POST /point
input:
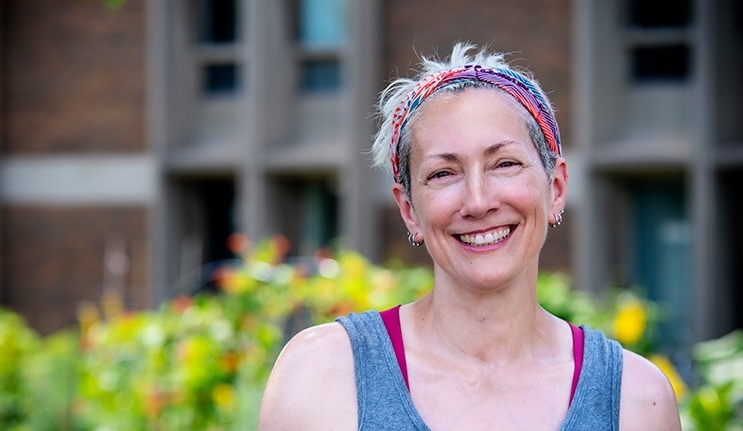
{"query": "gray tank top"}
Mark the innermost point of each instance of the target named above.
(384, 402)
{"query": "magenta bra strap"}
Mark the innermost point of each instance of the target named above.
(577, 357)
(391, 319)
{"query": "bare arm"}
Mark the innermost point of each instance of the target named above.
(648, 401)
(312, 385)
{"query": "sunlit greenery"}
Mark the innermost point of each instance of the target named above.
(199, 362)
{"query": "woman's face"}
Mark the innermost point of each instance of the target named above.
(480, 197)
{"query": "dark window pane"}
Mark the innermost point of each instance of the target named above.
(220, 79)
(661, 63)
(320, 75)
(659, 13)
(219, 21)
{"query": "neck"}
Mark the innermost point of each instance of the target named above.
(497, 326)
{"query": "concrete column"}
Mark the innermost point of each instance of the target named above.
(156, 29)
(707, 283)
(361, 59)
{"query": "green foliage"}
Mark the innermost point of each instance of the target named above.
(201, 362)
(717, 404)
(17, 342)
(196, 363)
(180, 367)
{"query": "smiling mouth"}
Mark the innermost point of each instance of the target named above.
(488, 238)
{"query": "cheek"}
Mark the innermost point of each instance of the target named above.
(435, 207)
(525, 195)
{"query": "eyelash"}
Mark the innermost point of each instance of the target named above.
(502, 164)
(439, 174)
(507, 164)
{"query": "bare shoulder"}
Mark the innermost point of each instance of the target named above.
(647, 401)
(312, 384)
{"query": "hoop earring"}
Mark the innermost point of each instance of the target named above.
(412, 241)
(558, 219)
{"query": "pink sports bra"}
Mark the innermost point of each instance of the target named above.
(391, 319)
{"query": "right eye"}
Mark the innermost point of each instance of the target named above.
(439, 174)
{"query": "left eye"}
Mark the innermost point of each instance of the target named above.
(507, 164)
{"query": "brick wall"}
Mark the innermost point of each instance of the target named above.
(73, 84)
(73, 76)
(53, 258)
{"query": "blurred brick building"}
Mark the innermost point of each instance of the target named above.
(134, 140)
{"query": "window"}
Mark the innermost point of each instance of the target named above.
(220, 79)
(659, 46)
(217, 37)
(660, 62)
(662, 252)
(659, 13)
(319, 215)
(321, 22)
(657, 56)
(306, 210)
(320, 75)
(218, 23)
(320, 33)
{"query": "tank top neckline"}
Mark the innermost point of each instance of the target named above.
(391, 320)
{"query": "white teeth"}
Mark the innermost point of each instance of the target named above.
(488, 238)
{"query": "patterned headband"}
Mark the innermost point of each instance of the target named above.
(511, 82)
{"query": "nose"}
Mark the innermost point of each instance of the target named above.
(477, 198)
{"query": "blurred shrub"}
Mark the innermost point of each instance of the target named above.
(17, 342)
(200, 362)
(718, 403)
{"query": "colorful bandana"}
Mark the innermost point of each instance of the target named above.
(511, 82)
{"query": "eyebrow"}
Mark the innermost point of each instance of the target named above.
(489, 151)
(492, 149)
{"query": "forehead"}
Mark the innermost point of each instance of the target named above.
(469, 114)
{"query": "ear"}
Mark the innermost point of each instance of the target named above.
(407, 212)
(559, 186)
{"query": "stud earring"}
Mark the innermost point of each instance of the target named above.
(412, 241)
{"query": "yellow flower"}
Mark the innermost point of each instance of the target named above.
(353, 265)
(665, 365)
(112, 304)
(88, 316)
(630, 321)
(223, 396)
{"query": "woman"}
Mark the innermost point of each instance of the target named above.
(475, 153)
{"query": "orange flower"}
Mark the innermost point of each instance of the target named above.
(230, 362)
(181, 303)
(239, 243)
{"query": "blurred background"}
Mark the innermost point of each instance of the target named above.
(137, 135)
